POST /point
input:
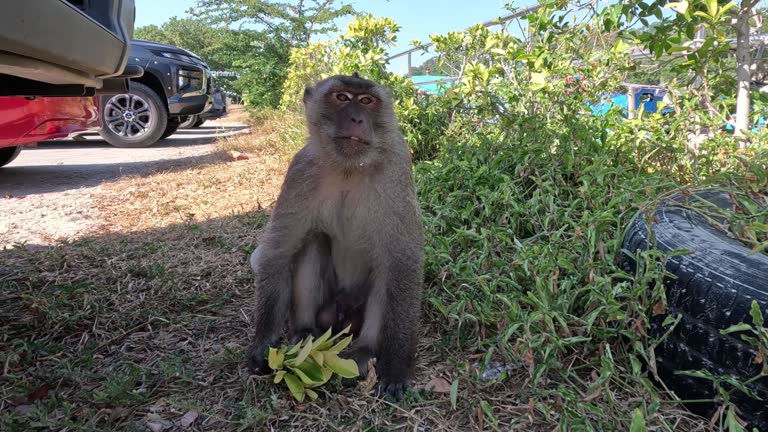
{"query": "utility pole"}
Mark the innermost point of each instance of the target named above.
(743, 67)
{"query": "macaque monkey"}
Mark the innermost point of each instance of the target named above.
(345, 241)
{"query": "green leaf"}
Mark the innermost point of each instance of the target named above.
(712, 7)
(279, 376)
(757, 314)
(293, 349)
(638, 421)
(454, 393)
(736, 328)
(303, 377)
(488, 409)
(339, 347)
(275, 359)
(733, 424)
(311, 393)
(317, 356)
(704, 15)
(322, 338)
(303, 354)
(295, 386)
(725, 8)
(313, 371)
(344, 367)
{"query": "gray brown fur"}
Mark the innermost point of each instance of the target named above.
(346, 226)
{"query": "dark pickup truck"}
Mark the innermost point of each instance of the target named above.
(176, 84)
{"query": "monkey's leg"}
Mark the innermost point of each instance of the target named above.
(311, 287)
(283, 238)
(390, 328)
(271, 262)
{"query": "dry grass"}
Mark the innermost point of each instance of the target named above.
(133, 327)
(146, 320)
(212, 187)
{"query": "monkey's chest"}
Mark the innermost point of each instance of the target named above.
(345, 218)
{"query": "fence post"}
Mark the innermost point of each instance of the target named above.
(409, 65)
(630, 102)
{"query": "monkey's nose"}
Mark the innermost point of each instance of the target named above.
(357, 121)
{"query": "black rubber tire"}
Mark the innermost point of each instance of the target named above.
(713, 290)
(156, 127)
(198, 123)
(173, 125)
(188, 122)
(8, 154)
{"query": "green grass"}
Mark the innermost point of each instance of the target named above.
(149, 322)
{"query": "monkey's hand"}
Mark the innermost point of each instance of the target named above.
(360, 354)
(256, 358)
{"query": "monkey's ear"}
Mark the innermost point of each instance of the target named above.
(307, 93)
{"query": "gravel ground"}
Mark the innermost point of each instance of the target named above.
(49, 192)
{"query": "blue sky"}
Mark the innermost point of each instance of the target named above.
(417, 18)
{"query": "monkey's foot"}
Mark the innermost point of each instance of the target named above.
(392, 390)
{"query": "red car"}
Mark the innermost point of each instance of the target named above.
(29, 120)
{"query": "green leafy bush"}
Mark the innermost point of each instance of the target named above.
(362, 49)
(526, 193)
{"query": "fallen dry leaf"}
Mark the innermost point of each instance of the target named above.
(759, 357)
(188, 418)
(659, 308)
(38, 393)
(438, 385)
(370, 380)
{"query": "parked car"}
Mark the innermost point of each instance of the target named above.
(65, 47)
(28, 120)
(56, 58)
(176, 83)
(218, 110)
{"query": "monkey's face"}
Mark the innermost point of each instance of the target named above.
(351, 118)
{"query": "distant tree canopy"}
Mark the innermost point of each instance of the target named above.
(294, 21)
(258, 57)
(250, 38)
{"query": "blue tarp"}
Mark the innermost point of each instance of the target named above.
(432, 87)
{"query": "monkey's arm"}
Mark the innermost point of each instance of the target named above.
(271, 261)
(396, 354)
(396, 300)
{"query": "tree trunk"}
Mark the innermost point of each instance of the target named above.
(743, 67)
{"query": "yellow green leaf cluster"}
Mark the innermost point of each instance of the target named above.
(311, 363)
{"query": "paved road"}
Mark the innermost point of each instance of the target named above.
(48, 191)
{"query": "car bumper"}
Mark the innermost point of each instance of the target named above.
(24, 121)
(189, 105)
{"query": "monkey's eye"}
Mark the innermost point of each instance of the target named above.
(343, 97)
(366, 100)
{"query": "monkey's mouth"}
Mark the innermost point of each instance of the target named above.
(353, 138)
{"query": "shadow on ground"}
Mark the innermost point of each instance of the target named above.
(131, 331)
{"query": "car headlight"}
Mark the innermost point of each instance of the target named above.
(190, 80)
